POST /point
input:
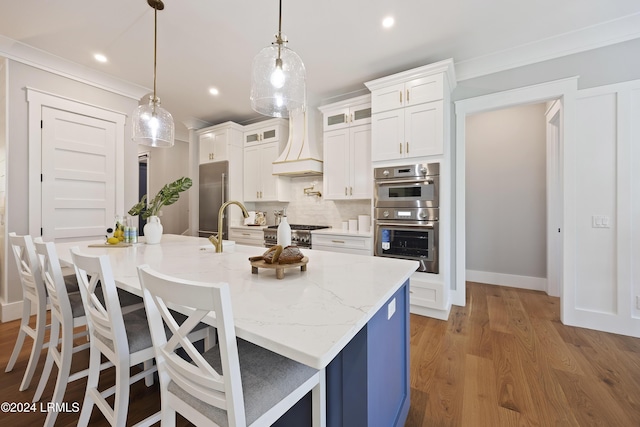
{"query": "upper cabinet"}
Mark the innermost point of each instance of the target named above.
(216, 142)
(263, 143)
(410, 112)
(340, 117)
(413, 92)
(269, 131)
(347, 150)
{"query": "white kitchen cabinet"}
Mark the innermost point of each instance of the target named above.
(347, 115)
(273, 130)
(245, 235)
(411, 112)
(347, 150)
(216, 142)
(349, 243)
(347, 164)
(405, 94)
(415, 131)
(260, 185)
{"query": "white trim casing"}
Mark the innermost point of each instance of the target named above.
(36, 100)
(511, 280)
(564, 89)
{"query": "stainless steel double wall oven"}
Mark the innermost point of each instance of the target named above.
(406, 202)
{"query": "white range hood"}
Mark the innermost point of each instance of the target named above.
(300, 156)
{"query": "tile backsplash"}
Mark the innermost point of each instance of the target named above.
(313, 210)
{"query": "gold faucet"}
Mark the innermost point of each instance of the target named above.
(217, 240)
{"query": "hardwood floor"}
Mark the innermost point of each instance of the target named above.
(502, 360)
(506, 360)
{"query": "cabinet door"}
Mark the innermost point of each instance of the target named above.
(252, 177)
(387, 98)
(361, 172)
(360, 114)
(387, 135)
(424, 130)
(336, 164)
(262, 135)
(425, 89)
(268, 181)
(336, 119)
(213, 147)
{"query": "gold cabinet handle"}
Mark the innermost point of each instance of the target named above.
(407, 147)
(345, 191)
(337, 241)
(401, 148)
(261, 194)
(346, 118)
(407, 95)
(351, 191)
(246, 234)
(400, 97)
(351, 120)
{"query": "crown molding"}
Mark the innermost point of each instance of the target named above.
(20, 52)
(593, 37)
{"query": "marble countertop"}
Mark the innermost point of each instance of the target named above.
(307, 316)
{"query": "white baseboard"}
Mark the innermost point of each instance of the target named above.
(430, 312)
(12, 311)
(512, 280)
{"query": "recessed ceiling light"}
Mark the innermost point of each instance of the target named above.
(214, 91)
(388, 22)
(100, 57)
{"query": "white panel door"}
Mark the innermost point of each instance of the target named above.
(361, 170)
(336, 164)
(78, 175)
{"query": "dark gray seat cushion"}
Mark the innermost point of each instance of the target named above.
(267, 378)
(126, 299)
(136, 326)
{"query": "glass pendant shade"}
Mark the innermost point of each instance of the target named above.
(153, 125)
(277, 81)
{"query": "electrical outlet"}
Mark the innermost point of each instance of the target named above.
(391, 308)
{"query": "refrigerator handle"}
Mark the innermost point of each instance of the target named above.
(223, 183)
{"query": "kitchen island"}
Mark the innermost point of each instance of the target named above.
(347, 314)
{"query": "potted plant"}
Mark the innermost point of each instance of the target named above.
(168, 195)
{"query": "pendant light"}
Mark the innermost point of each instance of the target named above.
(277, 78)
(152, 124)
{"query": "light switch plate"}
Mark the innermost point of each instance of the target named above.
(600, 221)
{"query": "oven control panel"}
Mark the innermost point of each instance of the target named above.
(407, 214)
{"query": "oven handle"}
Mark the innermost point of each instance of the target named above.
(404, 181)
(429, 225)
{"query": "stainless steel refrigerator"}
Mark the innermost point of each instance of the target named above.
(214, 187)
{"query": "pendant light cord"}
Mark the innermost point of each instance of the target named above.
(155, 51)
(279, 37)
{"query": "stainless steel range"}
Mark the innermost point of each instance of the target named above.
(300, 235)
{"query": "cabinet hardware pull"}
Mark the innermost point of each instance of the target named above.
(351, 120)
(257, 194)
(351, 191)
(407, 95)
(345, 191)
(407, 147)
(400, 97)
(346, 118)
(337, 241)
(246, 234)
(261, 194)
(401, 148)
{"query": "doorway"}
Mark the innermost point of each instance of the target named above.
(563, 90)
(506, 203)
(143, 186)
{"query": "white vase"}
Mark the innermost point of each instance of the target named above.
(153, 230)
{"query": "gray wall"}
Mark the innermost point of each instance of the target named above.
(21, 76)
(506, 191)
(166, 165)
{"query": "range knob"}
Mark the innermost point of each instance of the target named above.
(385, 214)
(385, 172)
(423, 215)
(423, 170)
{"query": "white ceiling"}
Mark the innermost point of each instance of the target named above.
(205, 43)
